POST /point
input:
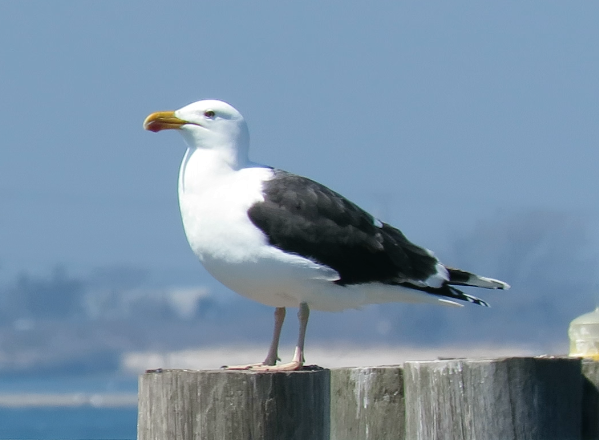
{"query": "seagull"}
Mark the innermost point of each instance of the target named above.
(287, 241)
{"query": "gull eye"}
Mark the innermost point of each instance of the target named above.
(210, 114)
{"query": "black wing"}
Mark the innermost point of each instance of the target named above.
(303, 217)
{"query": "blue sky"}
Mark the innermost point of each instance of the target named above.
(436, 116)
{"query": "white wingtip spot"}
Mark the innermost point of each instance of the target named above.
(494, 284)
(438, 278)
(447, 302)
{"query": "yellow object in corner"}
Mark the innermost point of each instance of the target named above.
(584, 336)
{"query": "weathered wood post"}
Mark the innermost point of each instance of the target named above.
(233, 405)
(590, 400)
(500, 399)
(367, 403)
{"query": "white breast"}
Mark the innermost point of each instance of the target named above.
(214, 201)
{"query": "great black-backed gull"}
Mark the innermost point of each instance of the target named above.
(287, 241)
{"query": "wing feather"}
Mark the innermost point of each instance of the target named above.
(306, 218)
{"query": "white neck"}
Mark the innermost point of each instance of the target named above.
(231, 151)
(199, 167)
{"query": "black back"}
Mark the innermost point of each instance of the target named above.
(303, 217)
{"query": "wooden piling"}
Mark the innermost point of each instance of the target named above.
(367, 403)
(233, 405)
(590, 400)
(503, 399)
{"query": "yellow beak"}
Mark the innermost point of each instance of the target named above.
(163, 121)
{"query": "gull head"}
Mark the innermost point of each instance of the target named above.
(208, 124)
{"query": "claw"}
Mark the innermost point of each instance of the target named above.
(291, 366)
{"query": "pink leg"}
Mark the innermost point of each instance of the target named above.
(303, 314)
(272, 357)
(298, 358)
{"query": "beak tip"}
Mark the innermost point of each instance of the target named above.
(151, 127)
(162, 121)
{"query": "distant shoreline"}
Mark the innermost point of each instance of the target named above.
(333, 356)
(74, 400)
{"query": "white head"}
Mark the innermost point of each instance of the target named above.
(210, 124)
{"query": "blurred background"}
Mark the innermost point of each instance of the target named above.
(470, 126)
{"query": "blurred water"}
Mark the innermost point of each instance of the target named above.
(82, 423)
(68, 423)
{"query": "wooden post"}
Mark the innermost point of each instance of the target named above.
(590, 400)
(367, 403)
(507, 399)
(233, 405)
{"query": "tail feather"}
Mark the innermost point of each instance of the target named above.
(459, 277)
(452, 292)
